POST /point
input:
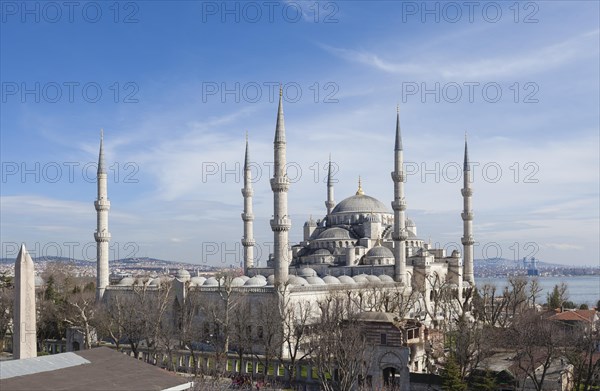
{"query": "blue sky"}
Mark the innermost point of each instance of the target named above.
(175, 86)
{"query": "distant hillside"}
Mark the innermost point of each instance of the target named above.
(126, 262)
(509, 263)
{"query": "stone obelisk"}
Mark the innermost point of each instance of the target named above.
(24, 336)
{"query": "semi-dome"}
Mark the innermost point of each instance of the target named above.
(360, 204)
(380, 252)
(271, 280)
(346, 280)
(322, 251)
(335, 233)
(410, 223)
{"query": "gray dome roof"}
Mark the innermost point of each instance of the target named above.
(183, 274)
(211, 281)
(127, 281)
(360, 278)
(360, 203)
(315, 281)
(238, 281)
(256, 281)
(39, 281)
(410, 223)
(295, 280)
(307, 272)
(195, 281)
(335, 233)
(346, 280)
(380, 252)
(386, 278)
(322, 251)
(271, 280)
(372, 278)
(331, 280)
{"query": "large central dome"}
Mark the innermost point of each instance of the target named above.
(360, 203)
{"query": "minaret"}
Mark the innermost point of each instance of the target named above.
(467, 217)
(330, 203)
(399, 206)
(280, 224)
(24, 326)
(102, 235)
(248, 216)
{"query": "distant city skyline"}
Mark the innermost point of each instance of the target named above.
(176, 88)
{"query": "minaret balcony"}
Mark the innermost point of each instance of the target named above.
(329, 204)
(466, 192)
(102, 204)
(398, 176)
(468, 240)
(247, 192)
(399, 205)
(402, 235)
(102, 236)
(466, 216)
(247, 216)
(280, 184)
(283, 224)
(248, 242)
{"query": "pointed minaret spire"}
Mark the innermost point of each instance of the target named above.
(24, 312)
(280, 127)
(281, 223)
(466, 164)
(102, 236)
(398, 146)
(248, 217)
(399, 235)
(101, 168)
(467, 217)
(330, 203)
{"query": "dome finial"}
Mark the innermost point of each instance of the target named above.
(360, 189)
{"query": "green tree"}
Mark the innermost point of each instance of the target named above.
(558, 296)
(451, 376)
(584, 307)
(485, 382)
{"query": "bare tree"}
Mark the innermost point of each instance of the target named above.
(538, 342)
(339, 348)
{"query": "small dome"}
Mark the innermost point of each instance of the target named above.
(386, 278)
(256, 281)
(245, 278)
(38, 281)
(127, 281)
(183, 274)
(346, 280)
(271, 280)
(335, 233)
(322, 251)
(211, 281)
(331, 280)
(361, 278)
(315, 281)
(237, 282)
(455, 254)
(372, 278)
(380, 252)
(197, 281)
(307, 272)
(295, 280)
